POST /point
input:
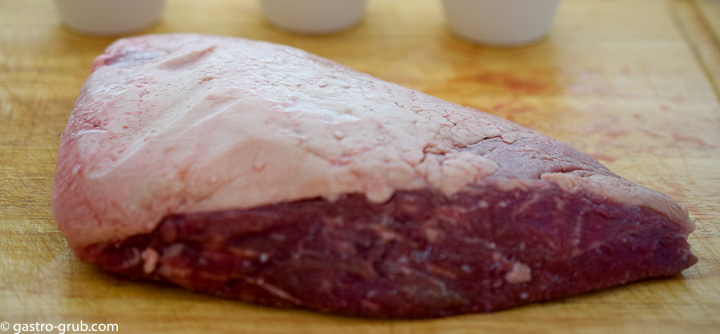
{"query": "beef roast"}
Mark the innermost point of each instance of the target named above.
(258, 171)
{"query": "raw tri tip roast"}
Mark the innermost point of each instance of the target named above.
(258, 171)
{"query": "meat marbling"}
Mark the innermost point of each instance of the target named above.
(261, 172)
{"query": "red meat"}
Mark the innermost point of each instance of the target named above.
(260, 172)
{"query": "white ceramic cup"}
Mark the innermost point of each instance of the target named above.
(109, 17)
(501, 22)
(313, 16)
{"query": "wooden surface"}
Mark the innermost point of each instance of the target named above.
(709, 11)
(700, 20)
(621, 80)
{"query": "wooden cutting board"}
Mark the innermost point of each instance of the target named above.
(629, 82)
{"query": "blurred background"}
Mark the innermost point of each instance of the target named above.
(634, 83)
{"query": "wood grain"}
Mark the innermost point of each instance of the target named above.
(700, 21)
(617, 79)
(709, 11)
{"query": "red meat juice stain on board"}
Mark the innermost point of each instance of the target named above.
(511, 109)
(626, 70)
(610, 128)
(509, 82)
(682, 138)
(652, 133)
